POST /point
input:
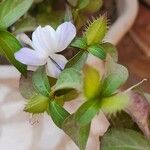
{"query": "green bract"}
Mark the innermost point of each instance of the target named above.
(91, 86)
(96, 31)
(37, 105)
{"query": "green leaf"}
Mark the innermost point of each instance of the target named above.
(9, 45)
(26, 87)
(37, 105)
(97, 51)
(96, 31)
(115, 103)
(116, 76)
(86, 112)
(79, 43)
(79, 134)
(27, 24)
(69, 79)
(58, 113)
(41, 82)
(12, 10)
(110, 49)
(93, 6)
(78, 61)
(82, 3)
(91, 87)
(124, 139)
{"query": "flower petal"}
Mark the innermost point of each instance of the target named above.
(24, 39)
(32, 68)
(45, 39)
(66, 33)
(29, 57)
(60, 60)
(55, 65)
(52, 70)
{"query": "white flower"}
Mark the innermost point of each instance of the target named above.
(46, 42)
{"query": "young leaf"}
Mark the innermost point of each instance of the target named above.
(78, 61)
(26, 87)
(79, 43)
(41, 82)
(79, 134)
(86, 112)
(69, 79)
(91, 83)
(115, 103)
(9, 45)
(82, 3)
(12, 10)
(117, 76)
(37, 105)
(97, 51)
(96, 31)
(93, 6)
(58, 113)
(124, 139)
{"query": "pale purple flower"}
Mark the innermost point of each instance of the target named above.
(46, 42)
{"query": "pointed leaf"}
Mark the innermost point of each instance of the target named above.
(79, 134)
(97, 51)
(86, 112)
(79, 43)
(12, 10)
(9, 45)
(78, 61)
(69, 79)
(41, 82)
(116, 76)
(124, 139)
(58, 113)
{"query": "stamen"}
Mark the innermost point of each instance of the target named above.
(56, 64)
